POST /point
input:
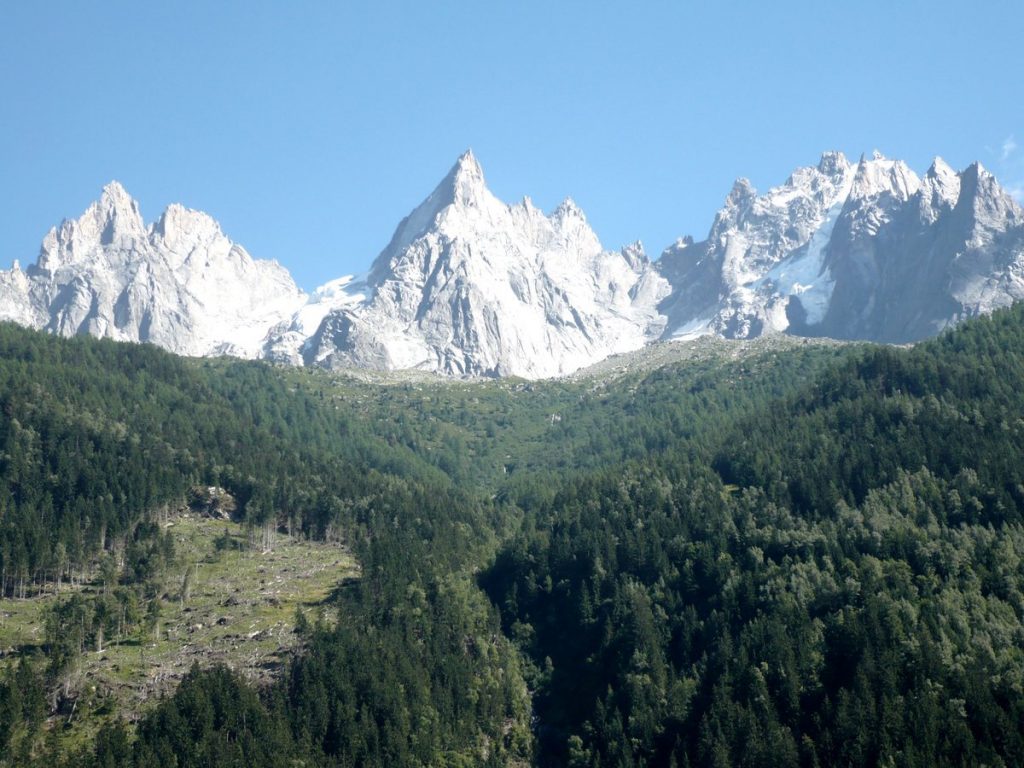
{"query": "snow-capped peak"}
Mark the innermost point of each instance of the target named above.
(185, 236)
(465, 182)
(119, 213)
(471, 286)
(864, 251)
(568, 209)
(179, 283)
(986, 206)
(833, 162)
(879, 176)
(113, 220)
(940, 169)
(179, 227)
(940, 189)
(463, 188)
(114, 194)
(976, 182)
(741, 192)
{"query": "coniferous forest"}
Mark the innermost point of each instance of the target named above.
(784, 553)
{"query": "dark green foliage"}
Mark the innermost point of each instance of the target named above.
(97, 436)
(214, 719)
(801, 557)
(22, 708)
(858, 600)
(950, 404)
(117, 433)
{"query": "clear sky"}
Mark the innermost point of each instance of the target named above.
(310, 129)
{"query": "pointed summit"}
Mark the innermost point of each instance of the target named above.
(990, 205)
(467, 163)
(882, 176)
(742, 191)
(114, 199)
(113, 191)
(971, 176)
(180, 228)
(568, 209)
(939, 190)
(462, 189)
(832, 162)
(117, 214)
(940, 169)
(975, 180)
(464, 183)
(116, 204)
(113, 219)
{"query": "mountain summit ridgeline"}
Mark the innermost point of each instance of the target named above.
(471, 286)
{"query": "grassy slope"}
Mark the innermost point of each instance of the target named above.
(241, 612)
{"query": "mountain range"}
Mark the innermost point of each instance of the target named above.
(471, 286)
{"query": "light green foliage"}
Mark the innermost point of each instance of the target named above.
(241, 613)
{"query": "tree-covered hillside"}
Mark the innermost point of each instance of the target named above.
(800, 554)
(104, 442)
(841, 584)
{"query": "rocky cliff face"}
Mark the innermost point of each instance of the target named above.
(863, 250)
(179, 283)
(470, 286)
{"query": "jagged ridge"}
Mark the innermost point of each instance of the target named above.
(863, 250)
(179, 283)
(470, 286)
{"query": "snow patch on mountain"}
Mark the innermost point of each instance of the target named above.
(763, 252)
(858, 251)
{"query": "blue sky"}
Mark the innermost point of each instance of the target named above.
(310, 129)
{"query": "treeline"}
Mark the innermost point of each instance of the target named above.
(953, 403)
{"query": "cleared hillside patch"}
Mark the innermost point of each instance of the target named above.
(222, 603)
